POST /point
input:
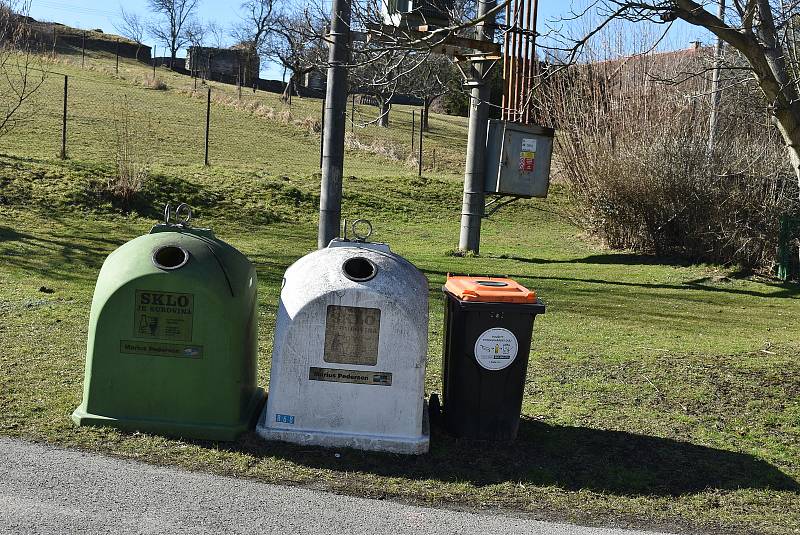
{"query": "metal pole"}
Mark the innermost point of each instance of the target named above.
(353, 114)
(512, 73)
(474, 197)
(413, 129)
(506, 59)
(322, 136)
(330, 205)
(83, 50)
(208, 122)
(421, 120)
(518, 66)
(715, 95)
(64, 121)
(533, 63)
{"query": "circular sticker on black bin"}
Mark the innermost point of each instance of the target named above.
(496, 348)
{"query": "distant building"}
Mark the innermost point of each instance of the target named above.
(230, 65)
(315, 80)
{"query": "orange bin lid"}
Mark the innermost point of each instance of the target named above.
(488, 289)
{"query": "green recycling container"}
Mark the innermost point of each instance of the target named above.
(173, 338)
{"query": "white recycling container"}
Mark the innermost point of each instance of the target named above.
(348, 361)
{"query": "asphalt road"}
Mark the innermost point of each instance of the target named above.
(50, 490)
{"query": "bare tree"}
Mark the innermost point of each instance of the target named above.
(761, 31)
(258, 19)
(22, 70)
(377, 75)
(429, 81)
(195, 34)
(216, 34)
(132, 26)
(170, 29)
(296, 43)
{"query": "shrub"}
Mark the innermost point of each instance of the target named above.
(132, 155)
(155, 83)
(635, 156)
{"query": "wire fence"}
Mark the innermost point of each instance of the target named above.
(76, 116)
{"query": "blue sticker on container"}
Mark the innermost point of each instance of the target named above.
(284, 419)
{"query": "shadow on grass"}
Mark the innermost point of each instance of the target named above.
(784, 290)
(571, 458)
(625, 259)
(59, 256)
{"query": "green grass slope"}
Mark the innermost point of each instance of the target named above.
(657, 393)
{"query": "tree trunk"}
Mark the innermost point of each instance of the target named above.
(768, 64)
(383, 119)
(287, 91)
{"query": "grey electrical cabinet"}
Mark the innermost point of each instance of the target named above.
(518, 159)
(433, 13)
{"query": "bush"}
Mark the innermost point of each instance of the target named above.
(132, 155)
(634, 155)
(155, 83)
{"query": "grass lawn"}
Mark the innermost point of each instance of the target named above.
(658, 393)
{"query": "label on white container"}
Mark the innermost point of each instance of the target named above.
(496, 348)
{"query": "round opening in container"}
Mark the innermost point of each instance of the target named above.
(493, 284)
(359, 269)
(170, 257)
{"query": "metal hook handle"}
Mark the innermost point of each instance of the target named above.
(185, 209)
(354, 229)
(182, 214)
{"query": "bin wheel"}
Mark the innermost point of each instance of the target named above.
(435, 409)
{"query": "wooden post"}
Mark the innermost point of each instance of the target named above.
(83, 50)
(434, 159)
(64, 121)
(208, 122)
(118, 56)
(353, 114)
(421, 112)
(154, 62)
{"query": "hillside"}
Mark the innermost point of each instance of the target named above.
(658, 393)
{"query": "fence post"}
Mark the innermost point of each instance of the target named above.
(353, 114)
(413, 129)
(208, 122)
(434, 159)
(83, 50)
(322, 133)
(63, 154)
(421, 112)
(154, 62)
(117, 56)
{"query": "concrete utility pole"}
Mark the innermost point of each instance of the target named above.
(715, 95)
(472, 208)
(330, 201)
